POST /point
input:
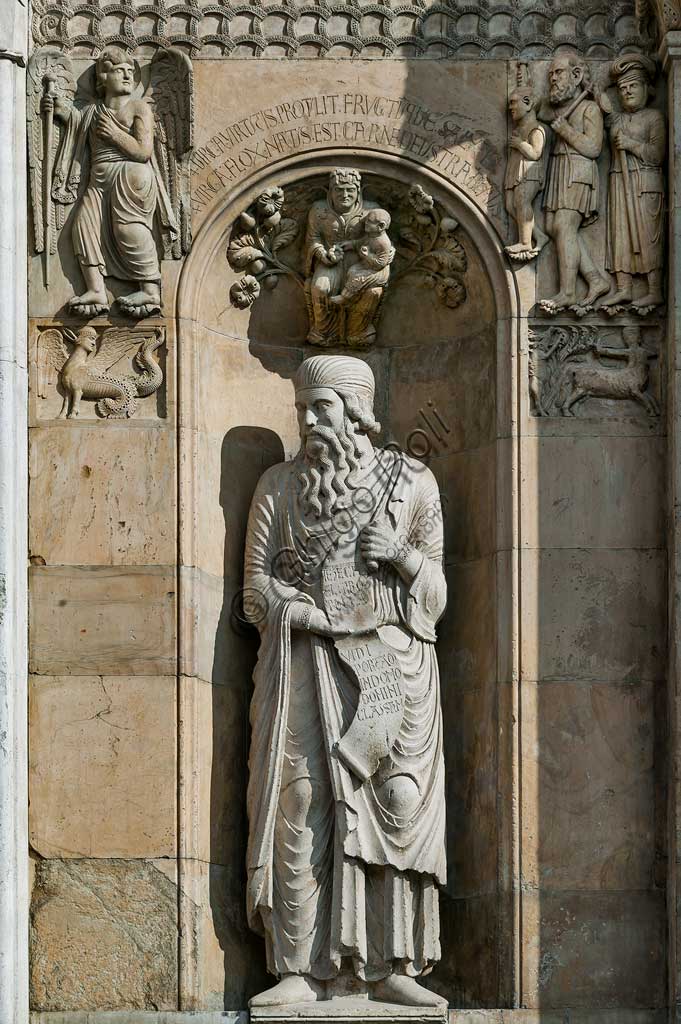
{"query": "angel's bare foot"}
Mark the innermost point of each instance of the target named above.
(92, 297)
(143, 303)
(337, 300)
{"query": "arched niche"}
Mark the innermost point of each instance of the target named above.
(237, 417)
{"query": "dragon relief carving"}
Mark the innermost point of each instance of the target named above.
(85, 371)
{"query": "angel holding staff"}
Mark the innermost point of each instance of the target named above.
(635, 232)
(127, 191)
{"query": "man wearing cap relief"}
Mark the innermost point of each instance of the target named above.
(346, 791)
(635, 236)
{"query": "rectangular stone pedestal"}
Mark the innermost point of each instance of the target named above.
(351, 1009)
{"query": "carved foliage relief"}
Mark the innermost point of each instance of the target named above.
(346, 247)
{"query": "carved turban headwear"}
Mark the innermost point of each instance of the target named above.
(351, 378)
(342, 373)
(633, 66)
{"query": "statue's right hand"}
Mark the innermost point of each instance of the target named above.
(47, 104)
(320, 624)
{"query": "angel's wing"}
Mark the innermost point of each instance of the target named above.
(171, 94)
(115, 343)
(48, 68)
(52, 354)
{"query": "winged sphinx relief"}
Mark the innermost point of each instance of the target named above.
(115, 145)
(82, 363)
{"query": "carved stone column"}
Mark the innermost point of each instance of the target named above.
(671, 56)
(13, 520)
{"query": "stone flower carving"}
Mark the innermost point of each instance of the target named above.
(568, 365)
(85, 372)
(258, 236)
(243, 293)
(136, 141)
(431, 249)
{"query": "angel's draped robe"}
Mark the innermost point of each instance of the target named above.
(331, 872)
(122, 196)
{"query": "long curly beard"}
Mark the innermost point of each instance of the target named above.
(329, 468)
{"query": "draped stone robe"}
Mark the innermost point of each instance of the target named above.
(121, 196)
(332, 872)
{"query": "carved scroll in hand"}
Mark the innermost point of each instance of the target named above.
(352, 253)
(568, 365)
(81, 363)
(380, 707)
(119, 149)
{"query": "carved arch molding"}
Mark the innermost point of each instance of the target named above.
(357, 28)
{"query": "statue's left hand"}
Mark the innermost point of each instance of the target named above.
(379, 542)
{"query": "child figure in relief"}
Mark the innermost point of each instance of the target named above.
(375, 253)
(525, 170)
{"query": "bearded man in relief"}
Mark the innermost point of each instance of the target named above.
(346, 796)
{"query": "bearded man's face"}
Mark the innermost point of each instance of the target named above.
(563, 81)
(328, 451)
(318, 408)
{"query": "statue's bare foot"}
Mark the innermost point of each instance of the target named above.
(650, 300)
(518, 247)
(90, 303)
(521, 253)
(560, 301)
(336, 300)
(617, 298)
(399, 988)
(597, 286)
(540, 239)
(293, 988)
(140, 304)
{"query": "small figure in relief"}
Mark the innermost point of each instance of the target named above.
(525, 169)
(375, 252)
(635, 234)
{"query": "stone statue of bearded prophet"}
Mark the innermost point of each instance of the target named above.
(346, 793)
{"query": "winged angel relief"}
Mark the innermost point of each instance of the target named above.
(85, 372)
(120, 150)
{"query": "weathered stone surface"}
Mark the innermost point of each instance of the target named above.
(102, 620)
(223, 958)
(103, 936)
(102, 494)
(214, 771)
(588, 950)
(593, 614)
(588, 786)
(569, 478)
(102, 766)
